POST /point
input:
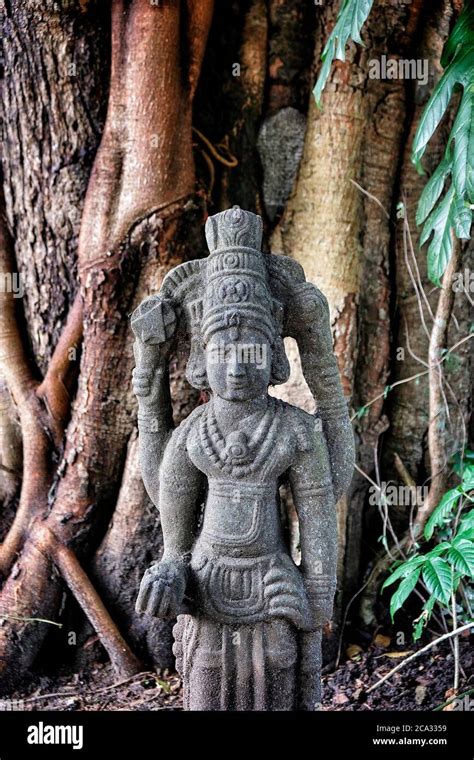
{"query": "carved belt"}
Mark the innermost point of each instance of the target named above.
(236, 590)
(235, 515)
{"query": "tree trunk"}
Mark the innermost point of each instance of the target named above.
(137, 214)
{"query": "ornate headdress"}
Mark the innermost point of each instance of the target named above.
(229, 289)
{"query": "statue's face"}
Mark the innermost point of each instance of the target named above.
(238, 369)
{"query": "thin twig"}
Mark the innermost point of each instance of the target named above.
(456, 643)
(448, 635)
(416, 376)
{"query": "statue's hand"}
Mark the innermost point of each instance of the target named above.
(162, 589)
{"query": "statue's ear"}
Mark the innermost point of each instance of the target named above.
(196, 366)
(280, 364)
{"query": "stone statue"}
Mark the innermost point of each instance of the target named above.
(249, 620)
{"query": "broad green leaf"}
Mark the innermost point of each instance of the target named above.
(466, 527)
(462, 134)
(433, 189)
(440, 249)
(403, 591)
(461, 35)
(438, 578)
(461, 556)
(459, 71)
(350, 20)
(439, 549)
(468, 476)
(461, 218)
(443, 510)
(404, 569)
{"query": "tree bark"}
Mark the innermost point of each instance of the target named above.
(137, 214)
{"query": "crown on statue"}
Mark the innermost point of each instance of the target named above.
(236, 288)
(232, 288)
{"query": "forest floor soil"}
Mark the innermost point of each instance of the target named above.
(424, 684)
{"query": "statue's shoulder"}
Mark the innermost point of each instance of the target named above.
(181, 433)
(302, 426)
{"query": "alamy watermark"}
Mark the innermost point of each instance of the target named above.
(241, 353)
(398, 496)
(463, 281)
(399, 68)
(11, 282)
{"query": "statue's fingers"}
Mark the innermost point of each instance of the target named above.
(143, 595)
(155, 597)
(286, 601)
(276, 588)
(141, 391)
(289, 612)
(140, 372)
(141, 385)
(164, 602)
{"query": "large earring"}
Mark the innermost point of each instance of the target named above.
(280, 364)
(196, 367)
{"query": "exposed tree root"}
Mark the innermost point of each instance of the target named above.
(139, 204)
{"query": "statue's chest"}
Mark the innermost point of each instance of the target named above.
(242, 454)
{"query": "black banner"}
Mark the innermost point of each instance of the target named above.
(133, 734)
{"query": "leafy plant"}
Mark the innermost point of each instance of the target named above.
(453, 213)
(442, 216)
(350, 20)
(451, 561)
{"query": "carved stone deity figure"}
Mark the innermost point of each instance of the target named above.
(249, 619)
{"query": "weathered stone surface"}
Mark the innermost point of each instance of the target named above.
(280, 145)
(248, 635)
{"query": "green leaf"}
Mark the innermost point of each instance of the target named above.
(461, 35)
(453, 214)
(461, 556)
(466, 527)
(463, 156)
(350, 20)
(442, 511)
(403, 591)
(439, 549)
(433, 189)
(438, 578)
(459, 71)
(327, 59)
(404, 569)
(439, 223)
(468, 476)
(461, 218)
(421, 622)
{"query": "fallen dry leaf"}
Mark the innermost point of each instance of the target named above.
(396, 655)
(353, 650)
(382, 641)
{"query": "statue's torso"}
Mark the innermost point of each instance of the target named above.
(240, 563)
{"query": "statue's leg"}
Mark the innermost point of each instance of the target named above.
(205, 661)
(250, 667)
(281, 655)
